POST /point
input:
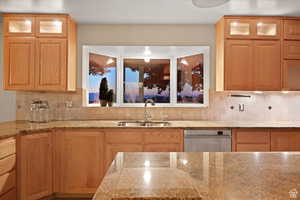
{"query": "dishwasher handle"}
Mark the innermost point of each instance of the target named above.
(199, 133)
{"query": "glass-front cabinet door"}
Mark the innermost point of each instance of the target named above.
(51, 26)
(238, 28)
(291, 75)
(267, 29)
(19, 25)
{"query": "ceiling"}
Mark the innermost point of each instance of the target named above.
(150, 11)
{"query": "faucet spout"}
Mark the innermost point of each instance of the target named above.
(147, 115)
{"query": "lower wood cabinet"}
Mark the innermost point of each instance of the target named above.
(35, 166)
(260, 140)
(285, 140)
(79, 161)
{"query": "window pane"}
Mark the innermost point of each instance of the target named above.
(190, 79)
(102, 79)
(146, 80)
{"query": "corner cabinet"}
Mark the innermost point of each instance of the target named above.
(248, 53)
(39, 52)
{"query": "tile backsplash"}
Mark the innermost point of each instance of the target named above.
(269, 106)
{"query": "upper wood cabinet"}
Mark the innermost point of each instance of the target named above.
(248, 54)
(292, 29)
(267, 65)
(35, 166)
(19, 25)
(51, 26)
(291, 74)
(19, 63)
(45, 61)
(252, 28)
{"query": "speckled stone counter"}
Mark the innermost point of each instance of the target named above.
(193, 176)
(12, 128)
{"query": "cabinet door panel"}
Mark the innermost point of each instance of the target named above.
(291, 74)
(81, 155)
(167, 136)
(239, 65)
(292, 29)
(239, 28)
(285, 140)
(252, 147)
(19, 63)
(19, 25)
(36, 166)
(292, 49)
(267, 66)
(51, 26)
(267, 28)
(51, 64)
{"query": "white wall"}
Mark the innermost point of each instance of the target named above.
(7, 99)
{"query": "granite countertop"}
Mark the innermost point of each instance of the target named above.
(14, 127)
(197, 176)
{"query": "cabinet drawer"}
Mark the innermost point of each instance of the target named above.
(292, 29)
(7, 164)
(169, 136)
(292, 49)
(252, 136)
(11, 195)
(162, 148)
(7, 147)
(252, 147)
(125, 136)
(7, 182)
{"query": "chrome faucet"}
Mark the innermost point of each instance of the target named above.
(147, 115)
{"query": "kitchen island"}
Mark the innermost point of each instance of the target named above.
(193, 176)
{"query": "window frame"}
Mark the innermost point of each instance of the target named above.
(87, 49)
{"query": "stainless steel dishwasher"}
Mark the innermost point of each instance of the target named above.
(207, 140)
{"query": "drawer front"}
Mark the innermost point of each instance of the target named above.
(163, 148)
(11, 195)
(168, 136)
(7, 147)
(252, 147)
(125, 136)
(252, 136)
(7, 164)
(292, 29)
(7, 182)
(292, 49)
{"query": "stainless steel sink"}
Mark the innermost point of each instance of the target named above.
(143, 124)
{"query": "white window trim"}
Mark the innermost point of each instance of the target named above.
(120, 86)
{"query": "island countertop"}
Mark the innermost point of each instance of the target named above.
(196, 176)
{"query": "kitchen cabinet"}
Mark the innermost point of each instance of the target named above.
(250, 140)
(51, 26)
(291, 50)
(51, 70)
(291, 74)
(79, 158)
(285, 140)
(19, 63)
(35, 166)
(248, 54)
(239, 65)
(292, 29)
(7, 169)
(19, 25)
(267, 65)
(45, 61)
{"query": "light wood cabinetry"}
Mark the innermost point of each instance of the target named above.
(35, 166)
(79, 166)
(251, 140)
(285, 140)
(267, 65)
(7, 169)
(292, 29)
(51, 70)
(291, 74)
(248, 54)
(292, 50)
(45, 61)
(19, 63)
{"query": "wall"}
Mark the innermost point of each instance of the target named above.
(7, 99)
(284, 106)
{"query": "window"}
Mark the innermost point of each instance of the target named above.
(128, 75)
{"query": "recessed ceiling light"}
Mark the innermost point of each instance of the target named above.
(209, 3)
